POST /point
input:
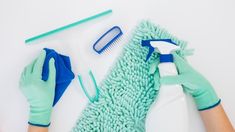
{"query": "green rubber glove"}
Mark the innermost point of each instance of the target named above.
(193, 83)
(39, 93)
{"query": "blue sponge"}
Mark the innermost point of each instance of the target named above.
(64, 74)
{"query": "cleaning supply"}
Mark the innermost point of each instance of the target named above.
(64, 74)
(68, 26)
(193, 83)
(103, 43)
(107, 39)
(171, 97)
(96, 97)
(128, 91)
(39, 93)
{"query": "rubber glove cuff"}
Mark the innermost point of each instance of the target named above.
(39, 117)
(206, 100)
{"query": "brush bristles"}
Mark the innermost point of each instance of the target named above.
(112, 44)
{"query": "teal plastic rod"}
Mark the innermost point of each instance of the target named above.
(67, 26)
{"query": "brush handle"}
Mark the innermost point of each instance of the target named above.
(67, 26)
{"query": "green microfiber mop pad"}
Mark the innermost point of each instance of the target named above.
(129, 89)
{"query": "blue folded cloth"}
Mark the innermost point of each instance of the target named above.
(64, 74)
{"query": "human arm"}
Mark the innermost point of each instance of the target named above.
(206, 99)
(216, 120)
(32, 128)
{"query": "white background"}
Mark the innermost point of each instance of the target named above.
(207, 25)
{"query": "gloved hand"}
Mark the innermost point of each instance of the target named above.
(193, 83)
(39, 93)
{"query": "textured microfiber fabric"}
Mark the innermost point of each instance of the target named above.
(64, 74)
(129, 88)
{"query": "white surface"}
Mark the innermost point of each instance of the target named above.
(208, 26)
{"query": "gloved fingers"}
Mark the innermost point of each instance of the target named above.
(153, 67)
(171, 80)
(52, 71)
(181, 64)
(24, 73)
(156, 81)
(29, 69)
(22, 77)
(37, 70)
